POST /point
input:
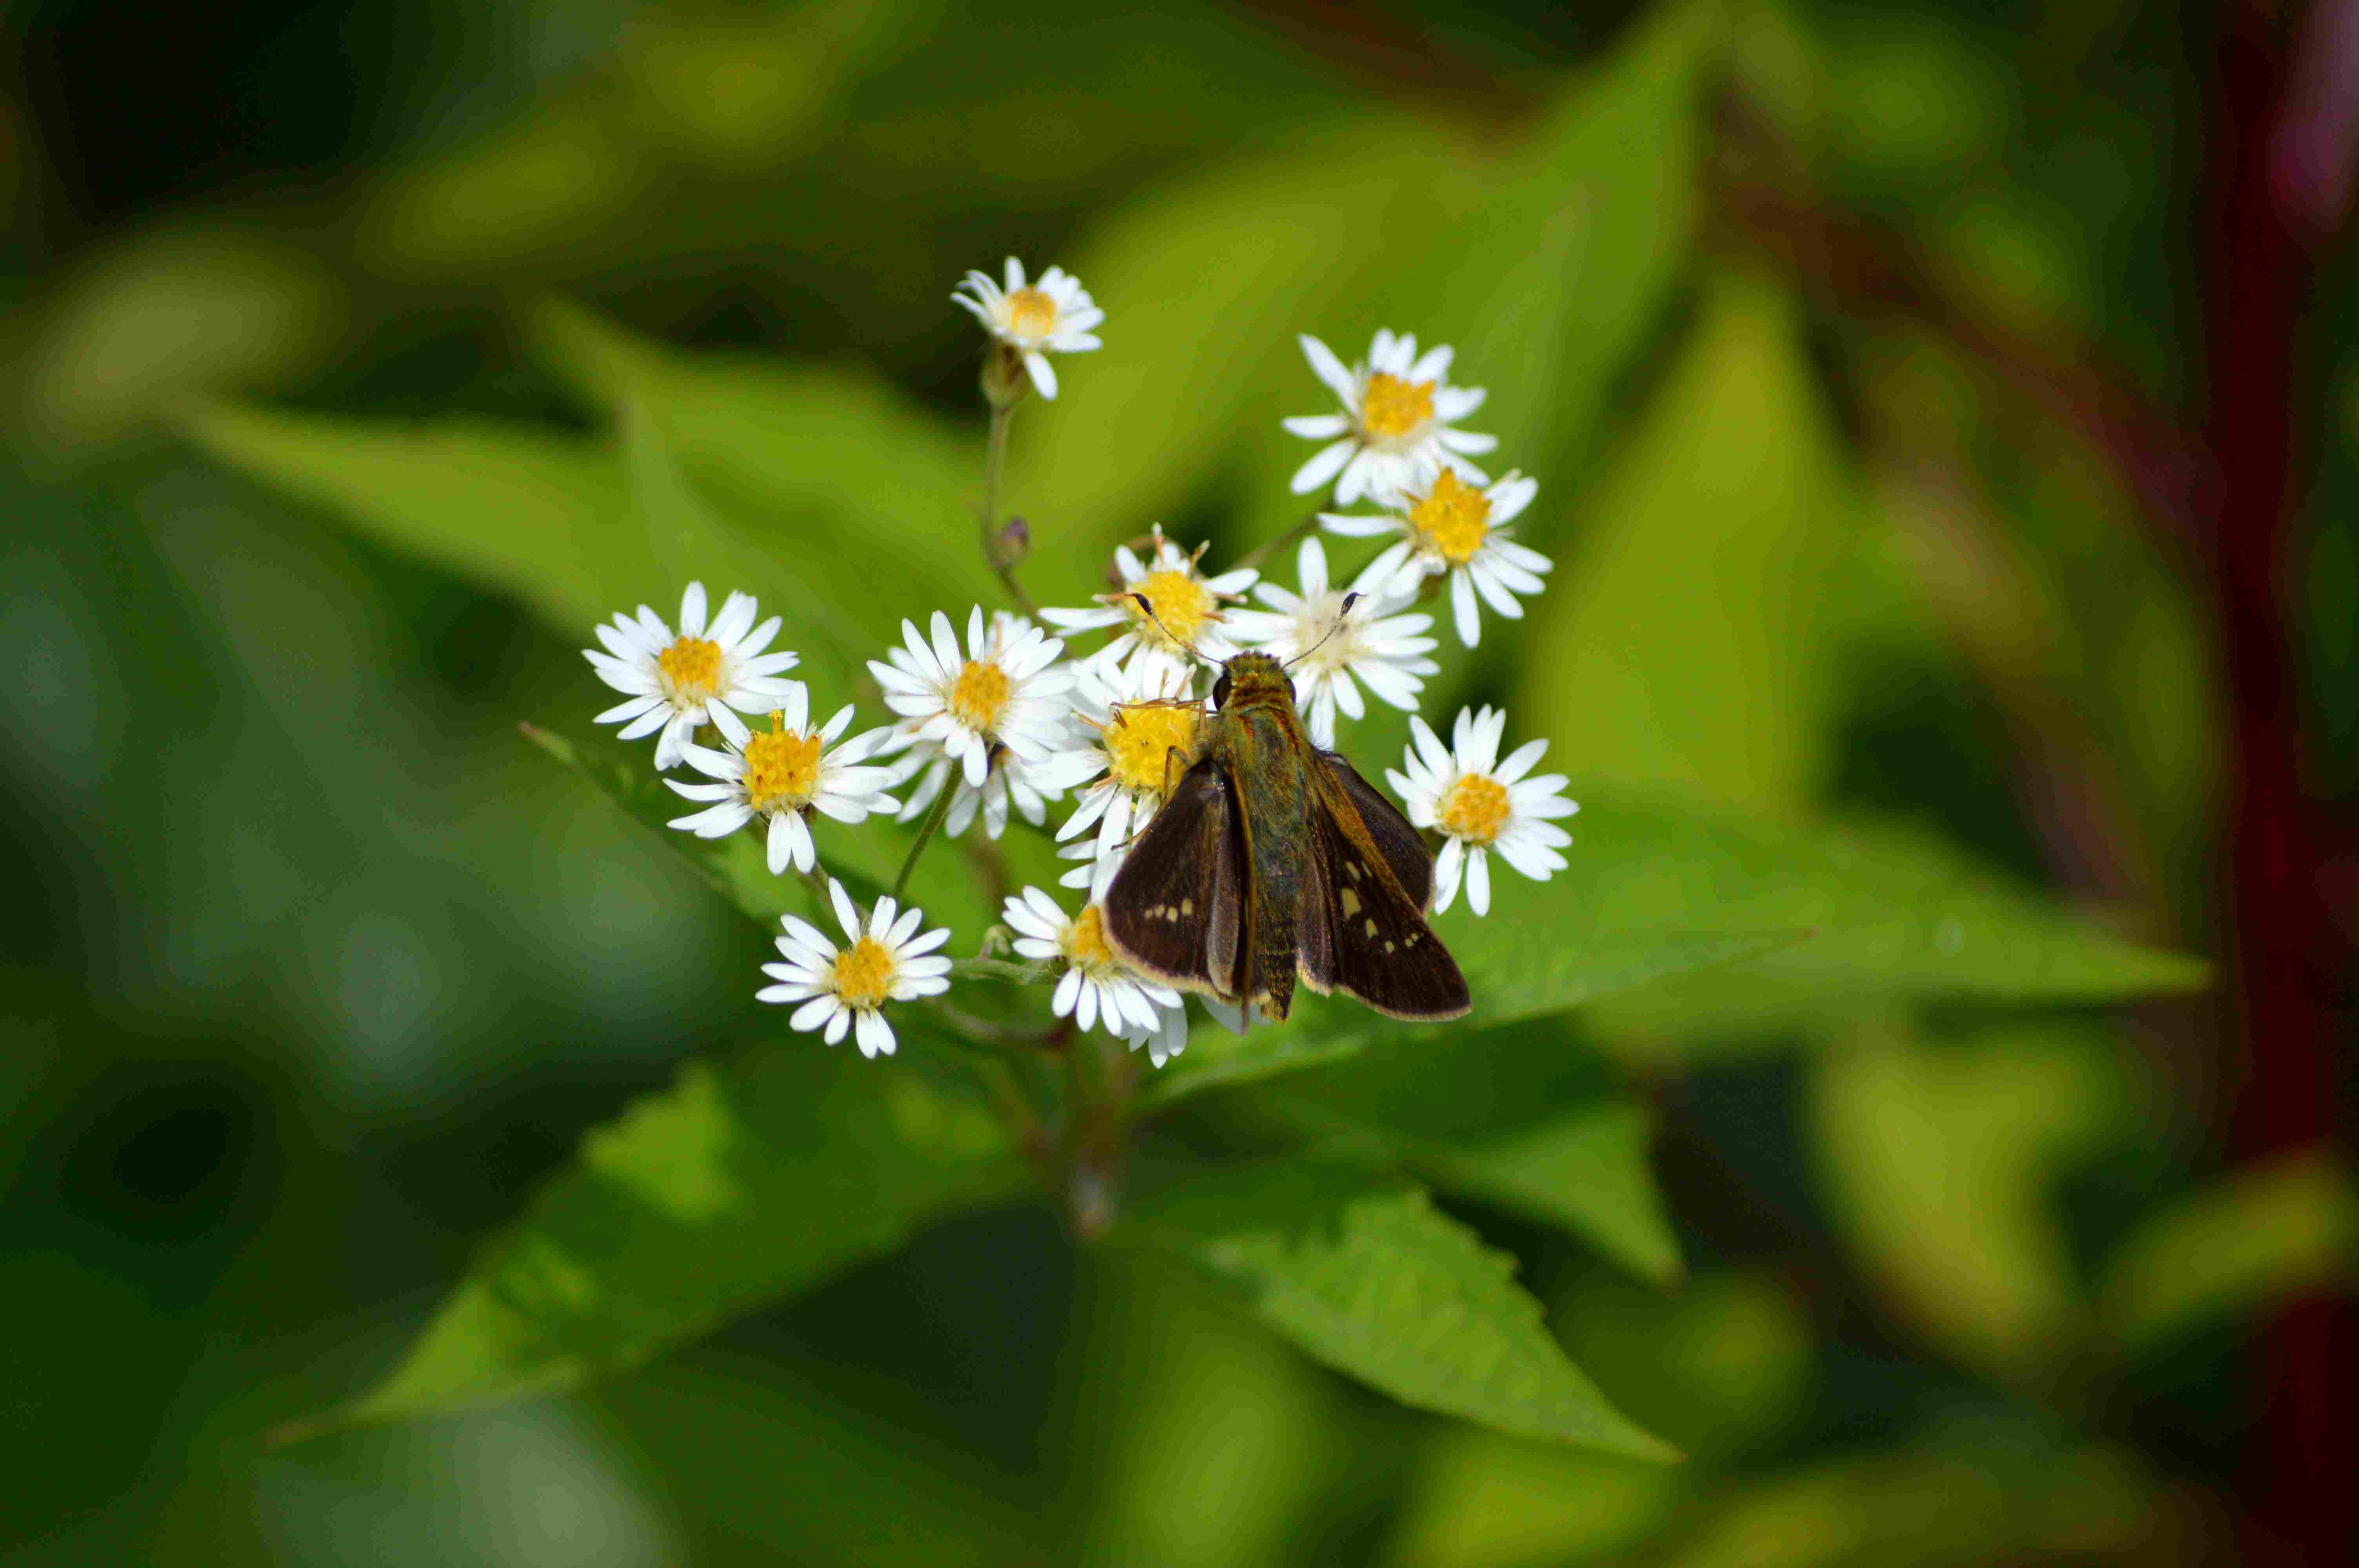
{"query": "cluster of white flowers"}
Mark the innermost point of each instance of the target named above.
(1006, 720)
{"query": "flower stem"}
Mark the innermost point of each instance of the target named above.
(994, 458)
(926, 833)
(1261, 552)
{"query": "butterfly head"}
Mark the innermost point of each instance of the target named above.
(1251, 679)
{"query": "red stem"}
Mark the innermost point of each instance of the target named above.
(2287, 949)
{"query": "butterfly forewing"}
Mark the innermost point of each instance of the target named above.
(1361, 932)
(1176, 908)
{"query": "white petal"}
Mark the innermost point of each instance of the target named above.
(1521, 762)
(1478, 882)
(723, 719)
(1044, 377)
(1316, 426)
(1447, 866)
(691, 611)
(1331, 370)
(1322, 467)
(1467, 618)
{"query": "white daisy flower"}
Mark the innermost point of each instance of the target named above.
(1448, 526)
(847, 988)
(1482, 804)
(1399, 417)
(1116, 760)
(784, 775)
(707, 674)
(1187, 603)
(1033, 320)
(1003, 693)
(1386, 653)
(1096, 985)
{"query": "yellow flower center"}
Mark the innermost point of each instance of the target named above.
(781, 767)
(1085, 942)
(863, 973)
(1142, 735)
(1454, 517)
(1182, 603)
(1390, 406)
(1474, 809)
(1031, 312)
(691, 669)
(978, 694)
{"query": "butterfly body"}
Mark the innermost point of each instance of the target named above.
(1272, 862)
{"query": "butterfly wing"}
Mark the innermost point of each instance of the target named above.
(1360, 932)
(1176, 909)
(1394, 839)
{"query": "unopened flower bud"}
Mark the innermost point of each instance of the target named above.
(1005, 382)
(1015, 541)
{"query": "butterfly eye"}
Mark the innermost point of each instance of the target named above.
(1220, 691)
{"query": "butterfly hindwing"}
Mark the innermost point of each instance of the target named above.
(1175, 910)
(1360, 932)
(1395, 840)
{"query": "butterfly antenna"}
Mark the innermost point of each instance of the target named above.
(1148, 609)
(1341, 612)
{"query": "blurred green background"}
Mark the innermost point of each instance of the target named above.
(1861, 350)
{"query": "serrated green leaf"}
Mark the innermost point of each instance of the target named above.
(745, 1183)
(1361, 1270)
(1526, 1116)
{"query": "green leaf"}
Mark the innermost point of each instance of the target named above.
(1206, 283)
(807, 486)
(1672, 915)
(1936, 1161)
(545, 519)
(1581, 241)
(1525, 1117)
(829, 474)
(1688, 640)
(745, 1183)
(1585, 1169)
(1893, 912)
(1359, 1269)
(719, 1434)
(2262, 1236)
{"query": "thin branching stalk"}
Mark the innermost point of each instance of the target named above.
(1267, 547)
(925, 835)
(994, 458)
